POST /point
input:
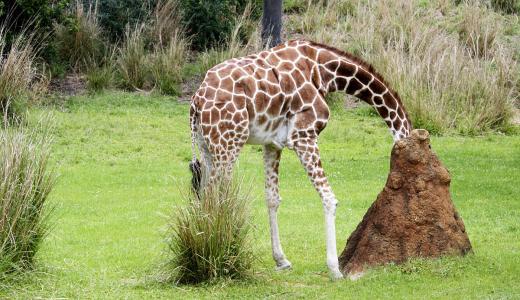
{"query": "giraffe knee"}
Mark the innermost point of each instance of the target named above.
(330, 205)
(274, 202)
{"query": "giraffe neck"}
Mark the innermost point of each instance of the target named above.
(340, 71)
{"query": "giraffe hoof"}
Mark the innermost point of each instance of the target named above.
(284, 265)
(336, 275)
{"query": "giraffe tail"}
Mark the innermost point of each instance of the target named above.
(194, 164)
(196, 175)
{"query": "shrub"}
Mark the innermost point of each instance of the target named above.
(209, 237)
(80, 41)
(116, 15)
(210, 22)
(25, 185)
(19, 76)
(24, 14)
(36, 17)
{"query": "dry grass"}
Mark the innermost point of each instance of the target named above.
(165, 22)
(453, 66)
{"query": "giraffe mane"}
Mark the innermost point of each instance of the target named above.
(359, 61)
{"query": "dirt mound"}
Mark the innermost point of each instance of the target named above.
(412, 217)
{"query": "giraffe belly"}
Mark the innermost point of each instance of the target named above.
(259, 136)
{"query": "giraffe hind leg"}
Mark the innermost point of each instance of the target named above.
(273, 199)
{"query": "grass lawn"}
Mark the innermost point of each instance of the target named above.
(122, 159)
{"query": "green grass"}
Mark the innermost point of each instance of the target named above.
(122, 159)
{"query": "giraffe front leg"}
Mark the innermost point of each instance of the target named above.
(308, 153)
(271, 164)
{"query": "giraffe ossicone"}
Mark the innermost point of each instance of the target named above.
(276, 98)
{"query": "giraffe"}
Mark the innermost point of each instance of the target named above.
(276, 98)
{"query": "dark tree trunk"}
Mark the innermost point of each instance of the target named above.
(272, 23)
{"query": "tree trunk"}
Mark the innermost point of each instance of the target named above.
(272, 23)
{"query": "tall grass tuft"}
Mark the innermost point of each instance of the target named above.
(102, 75)
(167, 64)
(154, 53)
(24, 186)
(210, 236)
(166, 22)
(170, 47)
(132, 64)
(18, 74)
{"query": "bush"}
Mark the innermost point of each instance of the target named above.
(80, 41)
(26, 183)
(116, 15)
(19, 76)
(37, 17)
(294, 6)
(209, 237)
(210, 22)
(24, 14)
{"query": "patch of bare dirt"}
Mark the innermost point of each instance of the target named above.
(190, 86)
(70, 85)
(412, 217)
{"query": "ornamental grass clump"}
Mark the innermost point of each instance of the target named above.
(210, 237)
(18, 74)
(25, 183)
